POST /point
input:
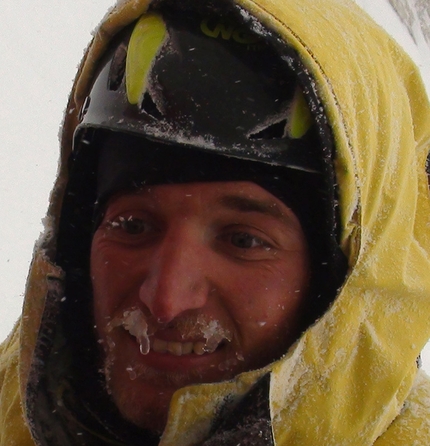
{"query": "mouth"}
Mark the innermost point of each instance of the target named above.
(182, 348)
(200, 334)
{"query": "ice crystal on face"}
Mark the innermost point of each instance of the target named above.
(213, 333)
(142, 328)
(134, 322)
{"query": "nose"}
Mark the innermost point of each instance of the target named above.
(175, 281)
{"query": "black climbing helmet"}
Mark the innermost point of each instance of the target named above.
(204, 82)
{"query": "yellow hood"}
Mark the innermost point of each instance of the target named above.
(346, 381)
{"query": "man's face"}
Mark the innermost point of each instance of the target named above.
(193, 283)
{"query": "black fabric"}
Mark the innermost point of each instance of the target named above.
(128, 162)
(246, 424)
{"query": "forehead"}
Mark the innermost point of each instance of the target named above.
(211, 198)
(219, 191)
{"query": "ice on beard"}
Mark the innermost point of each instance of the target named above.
(134, 322)
(213, 333)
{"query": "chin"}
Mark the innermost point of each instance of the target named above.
(142, 393)
(143, 403)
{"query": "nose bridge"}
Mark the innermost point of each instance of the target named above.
(176, 279)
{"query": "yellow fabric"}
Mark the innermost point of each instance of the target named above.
(412, 426)
(351, 379)
(13, 431)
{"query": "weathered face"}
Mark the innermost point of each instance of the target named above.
(193, 283)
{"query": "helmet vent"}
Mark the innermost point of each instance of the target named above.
(149, 106)
(117, 68)
(273, 131)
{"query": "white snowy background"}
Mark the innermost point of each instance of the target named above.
(41, 44)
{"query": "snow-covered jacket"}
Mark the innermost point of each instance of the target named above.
(352, 377)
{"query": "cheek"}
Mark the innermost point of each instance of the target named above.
(264, 291)
(100, 265)
(267, 304)
(110, 264)
(105, 278)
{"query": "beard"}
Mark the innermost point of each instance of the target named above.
(143, 394)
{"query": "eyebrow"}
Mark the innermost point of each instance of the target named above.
(244, 204)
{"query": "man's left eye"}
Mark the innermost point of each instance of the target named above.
(245, 240)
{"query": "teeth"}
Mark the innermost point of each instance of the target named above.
(199, 348)
(179, 348)
(159, 345)
(175, 348)
(187, 348)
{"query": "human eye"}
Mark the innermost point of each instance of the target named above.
(246, 243)
(245, 240)
(129, 225)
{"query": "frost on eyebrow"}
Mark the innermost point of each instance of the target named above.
(134, 321)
